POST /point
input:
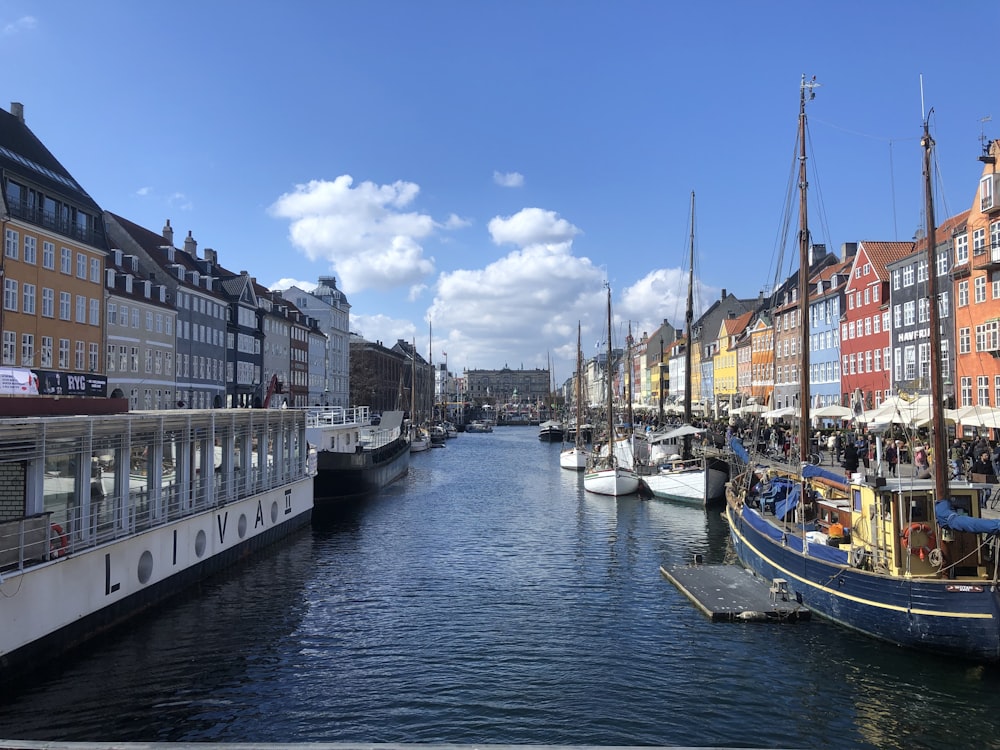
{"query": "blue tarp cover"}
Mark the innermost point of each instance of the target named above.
(949, 518)
(810, 470)
(738, 448)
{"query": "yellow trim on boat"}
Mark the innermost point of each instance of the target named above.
(894, 607)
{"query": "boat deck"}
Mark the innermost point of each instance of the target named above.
(729, 593)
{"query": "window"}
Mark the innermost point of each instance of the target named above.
(945, 360)
(963, 293)
(48, 256)
(79, 354)
(908, 275)
(81, 266)
(943, 310)
(112, 313)
(909, 362)
(135, 317)
(111, 358)
(980, 288)
(9, 348)
(923, 310)
(909, 313)
(93, 357)
(868, 361)
(897, 315)
(983, 390)
(941, 263)
(961, 249)
(48, 303)
(966, 391)
(923, 360)
(896, 280)
(46, 351)
(876, 319)
(921, 271)
(64, 305)
(65, 261)
(995, 240)
(27, 350)
(133, 359)
(28, 299)
(123, 358)
(149, 321)
(868, 326)
(878, 359)
(124, 317)
(10, 294)
(964, 340)
(885, 358)
(95, 270)
(988, 336)
(149, 360)
(81, 313)
(63, 354)
(30, 250)
(979, 241)
(95, 312)
(10, 240)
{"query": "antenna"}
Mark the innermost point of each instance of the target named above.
(810, 86)
(922, 117)
(982, 133)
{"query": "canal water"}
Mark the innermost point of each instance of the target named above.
(487, 598)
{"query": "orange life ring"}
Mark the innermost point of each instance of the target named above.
(60, 550)
(926, 548)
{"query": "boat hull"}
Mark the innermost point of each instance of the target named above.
(574, 459)
(62, 603)
(614, 482)
(932, 614)
(342, 476)
(703, 485)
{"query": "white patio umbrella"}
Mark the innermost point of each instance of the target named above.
(785, 411)
(979, 416)
(833, 411)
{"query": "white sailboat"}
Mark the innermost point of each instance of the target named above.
(575, 458)
(606, 472)
(419, 439)
(681, 475)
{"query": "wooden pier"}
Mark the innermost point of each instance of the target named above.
(729, 593)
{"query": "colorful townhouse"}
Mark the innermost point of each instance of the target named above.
(865, 353)
(976, 277)
(825, 305)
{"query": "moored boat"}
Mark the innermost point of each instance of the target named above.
(355, 458)
(575, 458)
(606, 472)
(107, 515)
(910, 561)
(550, 431)
(684, 476)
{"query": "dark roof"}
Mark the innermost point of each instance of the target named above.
(24, 155)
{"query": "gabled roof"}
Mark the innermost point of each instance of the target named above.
(880, 254)
(22, 153)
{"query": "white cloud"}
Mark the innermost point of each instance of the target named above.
(383, 328)
(180, 202)
(508, 179)
(662, 295)
(24, 23)
(144, 191)
(531, 226)
(287, 283)
(524, 307)
(361, 231)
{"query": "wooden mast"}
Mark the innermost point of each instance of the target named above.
(804, 276)
(610, 393)
(579, 388)
(688, 323)
(938, 438)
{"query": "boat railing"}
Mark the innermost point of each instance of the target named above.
(338, 416)
(33, 540)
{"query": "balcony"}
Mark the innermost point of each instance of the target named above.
(989, 193)
(93, 236)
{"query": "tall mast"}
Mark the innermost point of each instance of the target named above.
(804, 275)
(579, 387)
(627, 374)
(688, 323)
(610, 393)
(937, 386)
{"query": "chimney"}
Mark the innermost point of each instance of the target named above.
(17, 109)
(724, 295)
(211, 256)
(190, 245)
(168, 233)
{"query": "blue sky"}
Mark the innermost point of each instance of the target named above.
(486, 166)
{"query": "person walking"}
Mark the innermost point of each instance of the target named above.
(892, 458)
(850, 462)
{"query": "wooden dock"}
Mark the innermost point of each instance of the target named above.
(729, 593)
